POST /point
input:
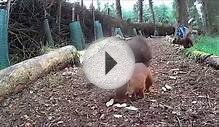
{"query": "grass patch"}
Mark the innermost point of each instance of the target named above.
(206, 44)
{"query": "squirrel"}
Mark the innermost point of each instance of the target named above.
(141, 50)
(140, 81)
(143, 55)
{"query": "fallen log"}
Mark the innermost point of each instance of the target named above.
(199, 56)
(14, 77)
(213, 61)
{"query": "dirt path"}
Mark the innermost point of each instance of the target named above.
(66, 99)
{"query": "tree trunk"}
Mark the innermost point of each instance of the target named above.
(93, 16)
(8, 9)
(213, 16)
(118, 9)
(24, 73)
(108, 11)
(140, 10)
(82, 3)
(182, 13)
(59, 14)
(153, 16)
(205, 15)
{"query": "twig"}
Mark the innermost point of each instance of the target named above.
(179, 123)
(8, 8)
(208, 100)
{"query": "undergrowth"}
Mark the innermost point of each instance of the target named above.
(206, 44)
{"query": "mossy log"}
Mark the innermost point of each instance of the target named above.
(205, 57)
(23, 73)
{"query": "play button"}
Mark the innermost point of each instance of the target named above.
(108, 63)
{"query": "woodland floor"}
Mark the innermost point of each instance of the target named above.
(64, 98)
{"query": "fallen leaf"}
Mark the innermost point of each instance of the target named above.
(120, 105)
(153, 100)
(164, 89)
(28, 125)
(132, 108)
(102, 116)
(117, 116)
(60, 122)
(110, 103)
(176, 112)
(64, 73)
(194, 102)
(26, 116)
(168, 87)
(173, 77)
(176, 69)
(182, 72)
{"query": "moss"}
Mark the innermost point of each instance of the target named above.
(206, 44)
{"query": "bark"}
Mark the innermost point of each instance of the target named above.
(182, 13)
(118, 9)
(213, 16)
(93, 16)
(213, 61)
(24, 73)
(8, 9)
(140, 10)
(153, 16)
(205, 15)
(59, 14)
(108, 11)
(82, 3)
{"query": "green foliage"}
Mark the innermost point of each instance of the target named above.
(98, 5)
(163, 14)
(111, 7)
(173, 12)
(193, 13)
(131, 14)
(207, 44)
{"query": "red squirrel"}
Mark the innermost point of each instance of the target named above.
(141, 50)
(140, 81)
(143, 54)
